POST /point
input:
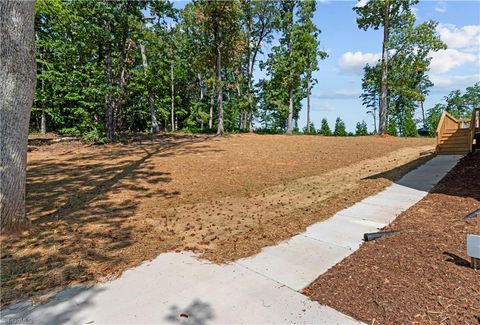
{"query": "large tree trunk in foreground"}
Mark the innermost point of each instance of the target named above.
(384, 91)
(17, 88)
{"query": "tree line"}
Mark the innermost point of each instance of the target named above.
(107, 67)
(110, 67)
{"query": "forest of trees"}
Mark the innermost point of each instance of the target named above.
(106, 68)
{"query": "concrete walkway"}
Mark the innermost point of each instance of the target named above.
(179, 288)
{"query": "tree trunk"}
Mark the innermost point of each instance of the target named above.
(43, 117)
(290, 111)
(151, 100)
(109, 120)
(308, 104)
(17, 88)
(210, 116)
(384, 91)
(423, 115)
(43, 123)
(290, 55)
(172, 109)
(200, 84)
(220, 130)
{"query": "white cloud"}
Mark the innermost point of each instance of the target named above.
(446, 60)
(463, 48)
(361, 3)
(353, 62)
(454, 37)
(343, 93)
(441, 7)
(453, 82)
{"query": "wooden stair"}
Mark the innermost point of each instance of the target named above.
(455, 141)
(455, 137)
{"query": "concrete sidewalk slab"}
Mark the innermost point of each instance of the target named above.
(343, 230)
(297, 261)
(372, 212)
(177, 285)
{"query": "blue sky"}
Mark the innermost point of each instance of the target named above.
(339, 78)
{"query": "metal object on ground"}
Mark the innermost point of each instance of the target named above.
(472, 214)
(374, 235)
(473, 250)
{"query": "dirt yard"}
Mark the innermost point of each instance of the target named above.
(99, 210)
(422, 275)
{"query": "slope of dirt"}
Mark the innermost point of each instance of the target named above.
(99, 210)
(421, 275)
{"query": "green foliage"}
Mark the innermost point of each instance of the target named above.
(325, 128)
(90, 66)
(313, 131)
(400, 80)
(340, 130)
(408, 82)
(433, 118)
(361, 128)
(409, 127)
(392, 127)
(458, 104)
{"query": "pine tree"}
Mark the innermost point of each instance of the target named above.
(409, 127)
(340, 130)
(391, 127)
(325, 128)
(361, 128)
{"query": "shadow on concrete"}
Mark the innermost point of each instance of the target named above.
(196, 313)
(56, 310)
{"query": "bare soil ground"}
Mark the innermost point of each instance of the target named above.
(421, 275)
(99, 210)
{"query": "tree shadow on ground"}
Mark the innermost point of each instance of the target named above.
(83, 210)
(58, 310)
(418, 182)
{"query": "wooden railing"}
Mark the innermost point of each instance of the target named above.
(447, 122)
(475, 126)
(450, 123)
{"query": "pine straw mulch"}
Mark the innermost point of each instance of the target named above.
(97, 211)
(421, 275)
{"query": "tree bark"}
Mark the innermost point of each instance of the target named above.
(384, 91)
(109, 120)
(290, 111)
(308, 103)
(220, 130)
(212, 103)
(218, 70)
(151, 100)
(172, 86)
(290, 63)
(43, 123)
(17, 88)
